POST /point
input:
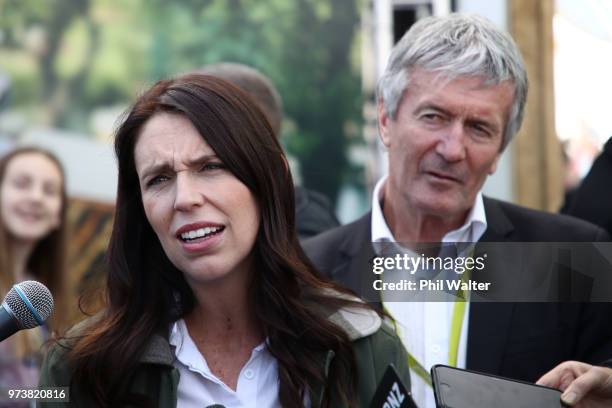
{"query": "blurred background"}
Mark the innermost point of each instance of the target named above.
(69, 68)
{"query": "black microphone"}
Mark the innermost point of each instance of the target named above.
(391, 392)
(27, 305)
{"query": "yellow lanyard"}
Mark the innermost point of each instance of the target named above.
(455, 333)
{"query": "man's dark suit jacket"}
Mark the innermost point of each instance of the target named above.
(517, 340)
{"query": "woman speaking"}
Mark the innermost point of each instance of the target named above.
(210, 299)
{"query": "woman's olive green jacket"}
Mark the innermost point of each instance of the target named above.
(374, 341)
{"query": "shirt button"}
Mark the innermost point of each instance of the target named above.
(435, 348)
(249, 374)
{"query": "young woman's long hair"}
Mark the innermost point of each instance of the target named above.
(47, 262)
(146, 293)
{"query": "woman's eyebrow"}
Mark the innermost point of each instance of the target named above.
(161, 167)
(155, 168)
(201, 159)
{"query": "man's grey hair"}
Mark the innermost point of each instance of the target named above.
(456, 45)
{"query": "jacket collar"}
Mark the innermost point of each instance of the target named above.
(158, 351)
(499, 227)
(355, 235)
(356, 322)
(607, 149)
(489, 323)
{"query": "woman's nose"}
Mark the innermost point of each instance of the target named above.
(188, 195)
(36, 193)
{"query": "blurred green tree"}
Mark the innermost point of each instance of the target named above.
(68, 58)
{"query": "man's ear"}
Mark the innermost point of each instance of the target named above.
(493, 166)
(384, 121)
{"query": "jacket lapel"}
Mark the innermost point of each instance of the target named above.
(357, 324)
(158, 351)
(489, 322)
(487, 333)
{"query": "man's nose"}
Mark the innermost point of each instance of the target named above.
(451, 145)
(188, 195)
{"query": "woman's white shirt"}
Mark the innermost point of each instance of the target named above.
(199, 387)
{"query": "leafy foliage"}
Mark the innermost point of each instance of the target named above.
(68, 58)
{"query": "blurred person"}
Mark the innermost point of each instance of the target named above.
(32, 247)
(583, 385)
(593, 199)
(449, 102)
(314, 212)
(210, 299)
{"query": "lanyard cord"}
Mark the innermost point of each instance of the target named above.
(455, 330)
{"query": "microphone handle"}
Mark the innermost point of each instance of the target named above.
(8, 324)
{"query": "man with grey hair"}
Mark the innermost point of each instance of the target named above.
(451, 99)
(313, 211)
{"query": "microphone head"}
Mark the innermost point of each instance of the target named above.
(30, 302)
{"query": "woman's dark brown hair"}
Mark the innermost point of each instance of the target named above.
(146, 293)
(47, 261)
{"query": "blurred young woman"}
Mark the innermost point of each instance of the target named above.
(32, 247)
(210, 297)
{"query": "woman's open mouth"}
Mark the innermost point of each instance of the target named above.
(200, 234)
